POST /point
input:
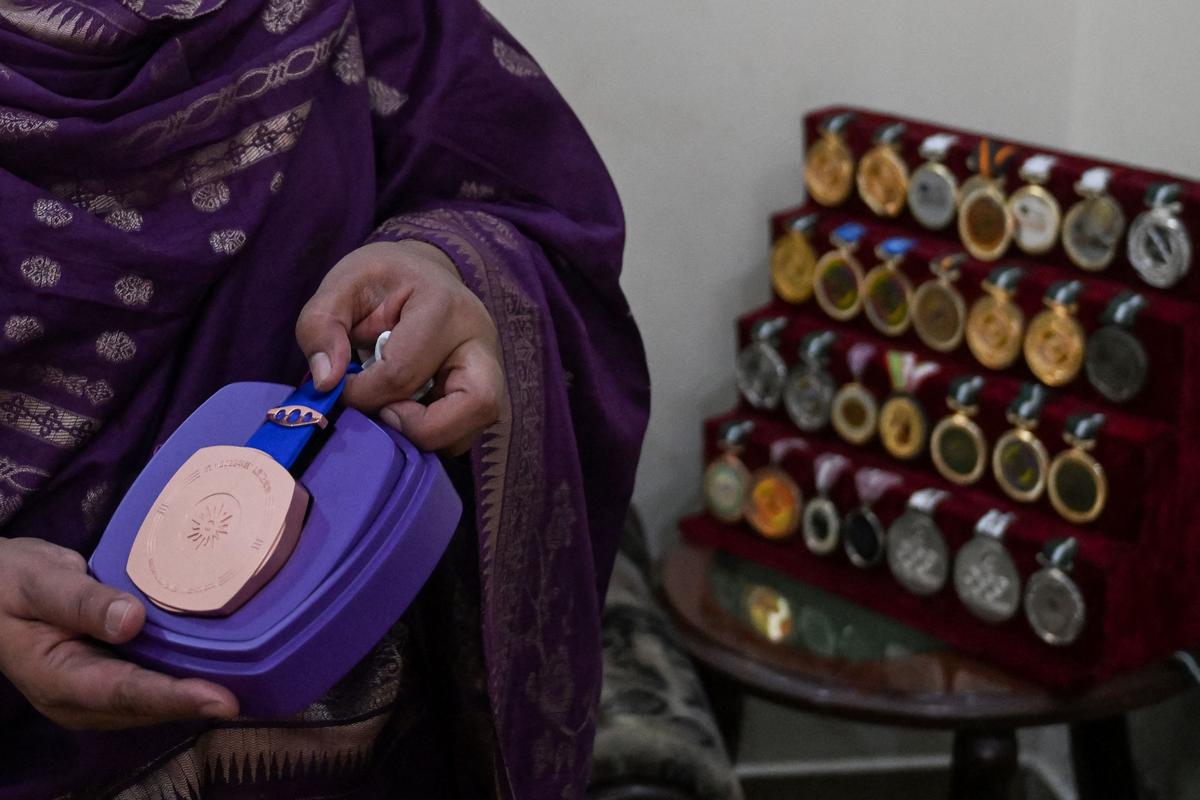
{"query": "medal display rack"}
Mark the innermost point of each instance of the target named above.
(1097, 526)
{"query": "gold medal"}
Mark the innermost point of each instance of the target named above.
(933, 188)
(829, 165)
(984, 222)
(996, 325)
(1055, 341)
(855, 412)
(822, 523)
(903, 426)
(726, 480)
(886, 291)
(1034, 210)
(958, 445)
(882, 173)
(1078, 487)
(793, 261)
(939, 312)
(1020, 460)
(838, 279)
(1093, 227)
(774, 503)
(770, 613)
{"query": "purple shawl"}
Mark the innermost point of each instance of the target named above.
(175, 178)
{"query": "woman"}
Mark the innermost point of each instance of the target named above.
(187, 183)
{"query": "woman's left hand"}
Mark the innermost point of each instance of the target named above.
(440, 330)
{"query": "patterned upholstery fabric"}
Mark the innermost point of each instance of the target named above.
(655, 727)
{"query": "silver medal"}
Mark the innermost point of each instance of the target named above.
(1054, 605)
(916, 550)
(1159, 246)
(1116, 362)
(985, 577)
(761, 370)
(808, 393)
(932, 188)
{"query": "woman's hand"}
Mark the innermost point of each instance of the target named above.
(440, 330)
(50, 611)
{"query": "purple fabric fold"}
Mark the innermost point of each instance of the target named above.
(176, 178)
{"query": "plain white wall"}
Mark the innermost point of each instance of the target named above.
(696, 107)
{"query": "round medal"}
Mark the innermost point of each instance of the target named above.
(957, 444)
(821, 526)
(836, 285)
(725, 483)
(1054, 605)
(855, 413)
(1116, 364)
(1019, 463)
(933, 195)
(770, 613)
(986, 580)
(886, 291)
(1091, 231)
(829, 166)
(882, 173)
(808, 397)
(862, 536)
(817, 632)
(939, 311)
(1078, 486)
(793, 262)
(916, 553)
(773, 504)
(1037, 217)
(902, 427)
(984, 223)
(1055, 341)
(761, 371)
(1159, 246)
(995, 325)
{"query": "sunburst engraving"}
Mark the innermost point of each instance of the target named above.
(210, 522)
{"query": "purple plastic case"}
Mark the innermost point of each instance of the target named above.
(381, 516)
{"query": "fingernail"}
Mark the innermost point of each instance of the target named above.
(320, 367)
(216, 709)
(117, 611)
(391, 419)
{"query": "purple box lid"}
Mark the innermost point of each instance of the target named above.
(381, 516)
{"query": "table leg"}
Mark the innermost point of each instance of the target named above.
(728, 703)
(1102, 759)
(984, 765)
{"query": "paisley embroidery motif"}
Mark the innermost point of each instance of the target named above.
(115, 346)
(22, 329)
(97, 392)
(133, 290)
(211, 196)
(280, 16)
(227, 242)
(53, 425)
(52, 213)
(42, 271)
(125, 219)
(16, 125)
(348, 66)
(514, 61)
(385, 100)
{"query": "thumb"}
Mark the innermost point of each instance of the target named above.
(322, 331)
(79, 603)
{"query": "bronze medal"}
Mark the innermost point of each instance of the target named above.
(774, 502)
(985, 224)
(939, 312)
(1055, 341)
(829, 165)
(996, 325)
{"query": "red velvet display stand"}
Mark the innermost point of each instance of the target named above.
(1137, 563)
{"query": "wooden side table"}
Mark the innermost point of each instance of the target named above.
(813, 651)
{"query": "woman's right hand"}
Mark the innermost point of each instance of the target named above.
(51, 610)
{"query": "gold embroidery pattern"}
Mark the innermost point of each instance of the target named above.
(280, 16)
(348, 65)
(298, 64)
(69, 24)
(211, 196)
(94, 504)
(133, 290)
(385, 100)
(22, 329)
(180, 9)
(97, 392)
(21, 477)
(52, 213)
(253, 144)
(470, 190)
(42, 271)
(276, 182)
(514, 61)
(125, 219)
(115, 346)
(52, 424)
(227, 242)
(10, 504)
(16, 125)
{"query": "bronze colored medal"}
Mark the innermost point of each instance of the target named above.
(1159, 246)
(838, 278)
(726, 480)
(808, 393)
(916, 550)
(1078, 487)
(1055, 341)
(219, 530)
(939, 312)
(829, 165)
(886, 291)
(985, 577)
(996, 326)
(1054, 605)
(793, 261)
(882, 173)
(1093, 226)
(1035, 211)
(774, 503)
(863, 534)
(761, 370)
(821, 522)
(933, 189)
(1116, 362)
(903, 426)
(1020, 461)
(985, 224)
(855, 412)
(958, 445)
(770, 613)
